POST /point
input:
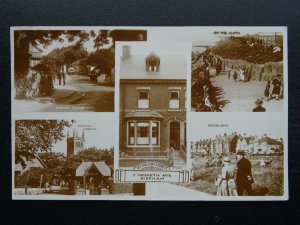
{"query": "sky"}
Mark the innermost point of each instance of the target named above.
(197, 35)
(96, 133)
(254, 125)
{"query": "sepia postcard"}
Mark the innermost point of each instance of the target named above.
(149, 113)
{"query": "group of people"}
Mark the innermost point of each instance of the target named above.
(272, 90)
(238, 74)
(275, 89)
(203, 94)
(230, 185)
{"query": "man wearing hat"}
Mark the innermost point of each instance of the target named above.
(259, 107)
(244, 177)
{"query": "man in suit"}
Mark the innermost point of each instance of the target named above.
(244, 178)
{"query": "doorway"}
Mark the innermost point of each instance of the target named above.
(175, 135)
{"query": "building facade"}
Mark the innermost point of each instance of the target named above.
(224, 144)
(152, 103)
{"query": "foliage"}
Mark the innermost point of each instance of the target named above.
(89, 154)
(31, 178)
(102, 59)
(269, 177)
(34, 136)
(240, 48)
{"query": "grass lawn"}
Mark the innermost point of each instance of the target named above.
(270, 177)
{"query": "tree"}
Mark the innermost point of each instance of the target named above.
(102, 59)
(89, 154)
(34, 136)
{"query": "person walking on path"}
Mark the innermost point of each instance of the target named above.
(235, 75)
(244, 179)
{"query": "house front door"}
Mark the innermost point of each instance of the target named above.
(175, 135)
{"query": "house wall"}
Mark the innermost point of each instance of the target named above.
(158, 101)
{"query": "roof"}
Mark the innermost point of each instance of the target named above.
(248, 139)
(172, 67)
(230, 137)
(80, 61)
(143, 114)
(152, 55)
(269, 141)
(101, 166)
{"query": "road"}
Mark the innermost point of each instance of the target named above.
(78, 95)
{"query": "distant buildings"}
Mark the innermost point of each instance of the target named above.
(269, 38)
(35, 55)
(229, 144)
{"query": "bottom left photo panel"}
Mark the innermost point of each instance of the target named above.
(67, 159)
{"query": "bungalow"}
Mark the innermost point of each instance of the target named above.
(267, 145)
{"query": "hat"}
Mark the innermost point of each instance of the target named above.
(226, 159)
(258, 101)
(240, 152)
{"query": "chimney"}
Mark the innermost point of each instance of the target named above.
(126, 51)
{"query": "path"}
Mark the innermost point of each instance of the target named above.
(178, 160)
(78, 95)
(241, 96)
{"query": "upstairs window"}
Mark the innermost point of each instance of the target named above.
(174, 102)
(152, 62)
(143, 99)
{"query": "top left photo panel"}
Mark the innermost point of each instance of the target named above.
(65, 69)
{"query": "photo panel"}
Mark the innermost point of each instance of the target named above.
(70, 159)
(239, 157)
(239, 69)
(152, 111)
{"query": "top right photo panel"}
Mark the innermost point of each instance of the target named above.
(239, 71)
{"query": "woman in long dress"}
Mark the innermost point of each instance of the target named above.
(227, 186)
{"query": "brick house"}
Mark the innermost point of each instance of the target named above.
(152, 103)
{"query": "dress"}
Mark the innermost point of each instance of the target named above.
(227, 187)
(277, 84)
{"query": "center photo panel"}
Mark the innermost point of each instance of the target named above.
(152, 85)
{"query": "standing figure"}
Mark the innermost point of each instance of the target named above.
(277, 86)
(267, 91)
(227, 186)
(244, 179)
(235, 75)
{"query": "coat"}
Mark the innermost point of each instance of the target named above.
(243, 171)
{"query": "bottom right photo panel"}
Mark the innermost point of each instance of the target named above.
(239, 156)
